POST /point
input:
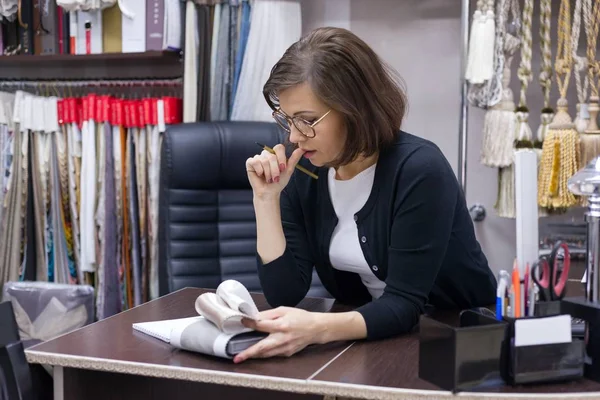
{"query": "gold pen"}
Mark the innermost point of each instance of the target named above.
(298, 166)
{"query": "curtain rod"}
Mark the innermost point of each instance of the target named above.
(464, 110)
(93, 83)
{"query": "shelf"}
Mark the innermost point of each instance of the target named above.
(148, 65)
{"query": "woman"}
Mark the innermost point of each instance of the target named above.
(385, 225)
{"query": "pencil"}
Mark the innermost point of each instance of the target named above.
(298, 166)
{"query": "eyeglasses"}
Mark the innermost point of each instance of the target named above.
(304, 127)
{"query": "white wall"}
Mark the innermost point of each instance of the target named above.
(421, 39)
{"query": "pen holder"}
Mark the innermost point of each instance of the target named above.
(547, 308)
(461, 357)
(540, 363)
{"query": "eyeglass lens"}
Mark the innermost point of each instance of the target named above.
(300, 124)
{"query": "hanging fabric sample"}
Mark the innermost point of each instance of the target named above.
(12, 243)
(219, 99)
(190, 64)
(204, 22)
(279, 24)
(244, 30)
(154, 146)
(62, 152)
(88, 193)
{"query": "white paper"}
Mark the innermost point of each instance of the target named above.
(546, 330)
(164, 329)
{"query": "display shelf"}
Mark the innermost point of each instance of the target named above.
(148, 65)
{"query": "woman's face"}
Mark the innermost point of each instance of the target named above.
(330, 132)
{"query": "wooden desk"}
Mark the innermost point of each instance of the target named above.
(109, 360)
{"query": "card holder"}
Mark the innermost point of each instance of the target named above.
(544, 362)
(463, 356)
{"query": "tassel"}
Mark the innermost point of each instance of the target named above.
(590, 138)
(582, 119)
(505, 201)
(480, 59)
(546, 120)
(560, 160)
(498, 125)
(489, 36)
(500, 121)
(524, 135)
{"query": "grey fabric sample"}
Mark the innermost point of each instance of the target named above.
(219, 109)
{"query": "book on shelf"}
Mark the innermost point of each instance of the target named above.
(217, 330)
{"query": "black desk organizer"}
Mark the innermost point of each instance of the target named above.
(540, 363)
(479, 353)
(581, 308)
(461, 357)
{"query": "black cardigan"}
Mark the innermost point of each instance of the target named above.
(415, 232)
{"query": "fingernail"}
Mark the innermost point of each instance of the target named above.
(276, 179)
(282, 167)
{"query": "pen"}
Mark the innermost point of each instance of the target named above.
(526, 291)
(499, 303)
(511, 309)
(298, 166)
(501, 294)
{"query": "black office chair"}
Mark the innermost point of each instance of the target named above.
(15, 376)
(207, 228)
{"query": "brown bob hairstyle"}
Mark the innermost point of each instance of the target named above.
(347, 75)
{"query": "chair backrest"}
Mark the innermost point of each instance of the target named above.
(207, 224)
(9, 330)
(15, 376)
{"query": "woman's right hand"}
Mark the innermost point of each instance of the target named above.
(270, 173)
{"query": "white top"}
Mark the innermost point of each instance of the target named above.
(345, 253)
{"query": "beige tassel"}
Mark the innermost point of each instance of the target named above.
(590, 135)
(521, 137)
(505, 200)
(590, 139)
(500, 122)
(582, 119)
(498, 127)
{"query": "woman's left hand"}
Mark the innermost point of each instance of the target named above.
(290, 330)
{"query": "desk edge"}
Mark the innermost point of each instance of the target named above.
(305, 386)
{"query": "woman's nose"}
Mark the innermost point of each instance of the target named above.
(296, 136)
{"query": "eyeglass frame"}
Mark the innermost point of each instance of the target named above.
(292, 120)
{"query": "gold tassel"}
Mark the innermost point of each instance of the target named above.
(555, 169)
(560, 160)
(561, 149)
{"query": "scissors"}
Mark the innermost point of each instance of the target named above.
(545, 271)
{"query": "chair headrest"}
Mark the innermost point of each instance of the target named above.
(212, 155)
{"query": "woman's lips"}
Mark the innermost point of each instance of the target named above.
(309, 154)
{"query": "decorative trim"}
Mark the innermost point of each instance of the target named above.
(307, 386)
